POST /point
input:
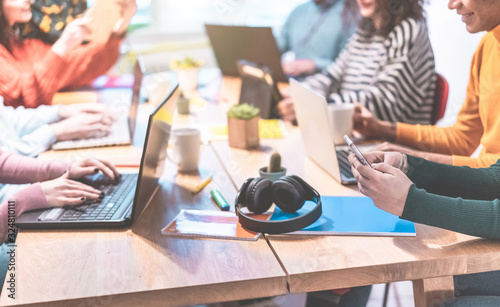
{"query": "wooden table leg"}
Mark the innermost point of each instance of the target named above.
(433, 292)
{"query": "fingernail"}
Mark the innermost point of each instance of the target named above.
(96, 170)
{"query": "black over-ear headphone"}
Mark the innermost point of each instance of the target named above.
(289, 193)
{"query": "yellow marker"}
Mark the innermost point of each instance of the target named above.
(202, 185)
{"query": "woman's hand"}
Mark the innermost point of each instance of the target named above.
(91, 166)
(64, 191)
(385, 184)
(394, 159)
(299, 67)
(286, 109)
(128, 10)
(69, 110)
(72, 36)
(367, 124)
(82, 126)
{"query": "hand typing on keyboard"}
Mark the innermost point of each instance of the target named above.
(65, 190)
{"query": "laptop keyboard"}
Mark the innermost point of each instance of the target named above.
(115, 196)
(120, 134)
(345, 166)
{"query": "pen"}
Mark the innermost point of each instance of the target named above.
(202, 185)
(219, 200)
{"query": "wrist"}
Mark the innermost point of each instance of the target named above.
(59, 48)
(387, 130)
(404, 163)
(56, 130)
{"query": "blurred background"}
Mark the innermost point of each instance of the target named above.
(163, 30)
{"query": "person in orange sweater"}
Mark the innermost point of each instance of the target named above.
(478, 122)
(32, 71)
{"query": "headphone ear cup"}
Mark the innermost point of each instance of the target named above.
(259, 197)
(288, 194)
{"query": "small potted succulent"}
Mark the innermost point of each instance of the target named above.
(243, 126)
(186, 71)
(274, 171)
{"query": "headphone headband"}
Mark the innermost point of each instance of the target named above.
(277, 227)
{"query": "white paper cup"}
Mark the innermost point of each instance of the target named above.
(186, 149)
(340, 120)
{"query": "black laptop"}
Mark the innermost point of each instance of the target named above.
(125, 201)
(254, 44)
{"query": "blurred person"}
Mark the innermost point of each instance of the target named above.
(457, 198)
(32, 71)
(477, 122)
(387, 66)
(29, 132)
(313, 36)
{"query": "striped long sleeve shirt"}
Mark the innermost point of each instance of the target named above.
(393, 76)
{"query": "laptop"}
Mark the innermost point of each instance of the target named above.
(122, 130)
(125, 201)
(312, 116)
(254, 44)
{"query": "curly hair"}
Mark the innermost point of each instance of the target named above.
(391, 12)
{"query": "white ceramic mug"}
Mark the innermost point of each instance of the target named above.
(340, 120)
(186, 149)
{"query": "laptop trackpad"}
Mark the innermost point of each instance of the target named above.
(50, 215)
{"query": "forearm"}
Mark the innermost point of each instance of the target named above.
(455, 181)
(322, 83)
(30, 144)
(29, 198)
(17, 169)
(92, 60)
(26, 121)
(444, 140)
(434, 157)
(472, 217)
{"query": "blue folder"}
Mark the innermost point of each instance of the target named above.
(350, 216)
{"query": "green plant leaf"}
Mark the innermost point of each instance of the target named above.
(243, 111)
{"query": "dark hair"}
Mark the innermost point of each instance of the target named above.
(6, 31)
(392, 13)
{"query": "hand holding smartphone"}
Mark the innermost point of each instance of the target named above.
(356, 151)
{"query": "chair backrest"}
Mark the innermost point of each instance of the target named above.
(442, 89)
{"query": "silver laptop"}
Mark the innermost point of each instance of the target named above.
(122, 130)
(312, 117)
(124, 201)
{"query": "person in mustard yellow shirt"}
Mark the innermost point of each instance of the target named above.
(478, 122)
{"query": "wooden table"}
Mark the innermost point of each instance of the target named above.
(137, 266)
(315, 263)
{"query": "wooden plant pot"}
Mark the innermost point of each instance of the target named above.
(243, 133)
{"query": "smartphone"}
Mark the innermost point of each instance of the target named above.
(356, 151)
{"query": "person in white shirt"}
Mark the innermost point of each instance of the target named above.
(29, 132)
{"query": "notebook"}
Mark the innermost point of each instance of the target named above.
(123, 129)
(210, 224)
(123, 202)
(348, 215)
(312, 117)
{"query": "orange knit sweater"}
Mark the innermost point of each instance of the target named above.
(478, 121)
(31, 73)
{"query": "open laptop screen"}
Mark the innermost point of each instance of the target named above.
(154, 151)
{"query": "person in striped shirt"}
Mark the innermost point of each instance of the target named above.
(477, 123)
(387, 66)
